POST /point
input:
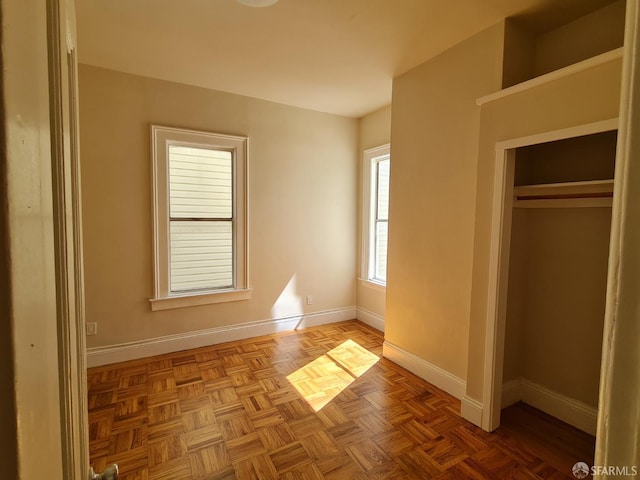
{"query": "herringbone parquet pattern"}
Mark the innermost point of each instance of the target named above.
(310, 404)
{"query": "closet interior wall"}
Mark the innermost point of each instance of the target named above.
(558, 272)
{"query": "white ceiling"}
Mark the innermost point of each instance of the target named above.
(335, 56)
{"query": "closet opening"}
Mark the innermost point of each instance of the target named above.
(548, 274)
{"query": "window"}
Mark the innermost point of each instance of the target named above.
(199, 197)
(375, 214)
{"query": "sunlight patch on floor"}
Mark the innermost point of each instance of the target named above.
(321, 380)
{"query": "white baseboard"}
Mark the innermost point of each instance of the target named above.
(573, 412)
(471, 410)
(511, 392)
(183, 341)
(431, 373)
(372, 319)
(570, 411)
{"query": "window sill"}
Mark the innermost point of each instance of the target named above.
(205, 298)
(380, 287)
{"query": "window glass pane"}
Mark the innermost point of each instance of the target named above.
(381, 251)
(201, 255)
(383, 189)
(200, 183)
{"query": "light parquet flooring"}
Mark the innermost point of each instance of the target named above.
(238, 411)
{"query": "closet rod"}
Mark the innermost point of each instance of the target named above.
(592, 193)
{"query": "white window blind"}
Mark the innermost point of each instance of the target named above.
(381, 219)
(200, 218)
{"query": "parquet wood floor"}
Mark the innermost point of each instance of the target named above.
(310, 404)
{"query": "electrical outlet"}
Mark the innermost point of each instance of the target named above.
(309, 299)
(92, 328)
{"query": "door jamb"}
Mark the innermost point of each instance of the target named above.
(499, 258)
(65, 169)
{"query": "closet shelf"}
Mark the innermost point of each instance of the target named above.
(592, 62)
(593, 193)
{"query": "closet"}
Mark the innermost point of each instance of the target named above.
(560, 227)
(546, 161)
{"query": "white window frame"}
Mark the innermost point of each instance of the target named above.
(161, 138)
(369, 197)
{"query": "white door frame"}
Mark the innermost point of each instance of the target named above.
(499, 258)
(618, 415)
(44, 275)
(67, 217)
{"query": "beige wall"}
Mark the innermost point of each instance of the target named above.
(591, 35)
(302, 201)
(434, 149)
(375, 130)
(559, 299)
(519, 54)
(529, 53)
(517, 297)
(585, 97)
(567, 280)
